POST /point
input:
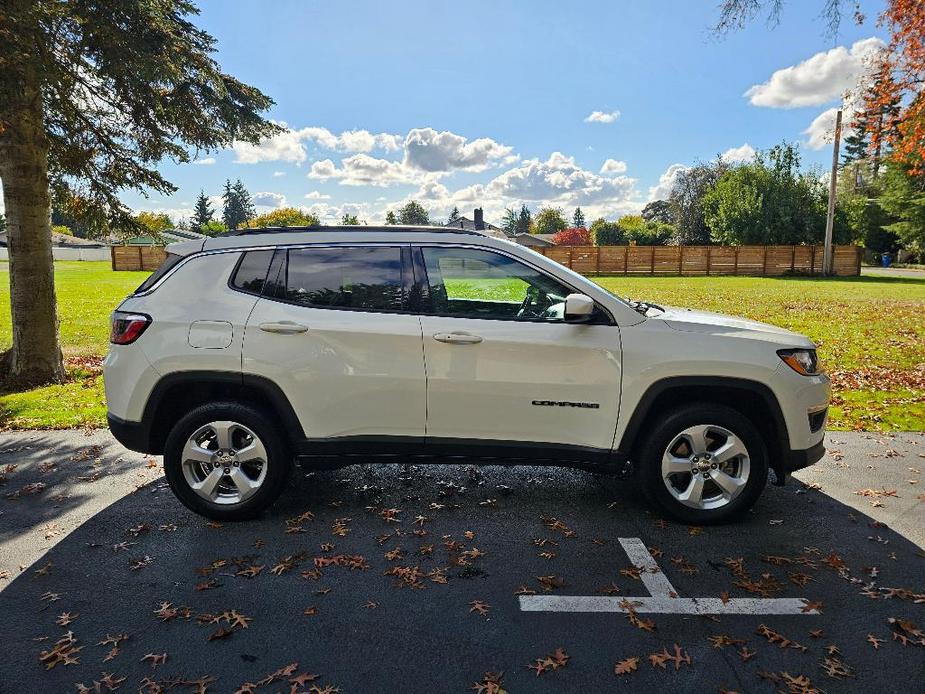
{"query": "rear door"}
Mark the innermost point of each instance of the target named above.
(503, 365)
(333, 331)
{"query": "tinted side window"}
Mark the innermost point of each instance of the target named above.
(471, 283)
(251, 274)
(357, 278)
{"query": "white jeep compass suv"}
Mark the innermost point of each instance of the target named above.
(245, 353)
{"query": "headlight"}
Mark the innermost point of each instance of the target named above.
(803, 361)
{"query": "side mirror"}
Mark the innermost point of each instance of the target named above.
(578, 308)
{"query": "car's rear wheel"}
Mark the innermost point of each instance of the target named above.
(226, 461)
(703, 464)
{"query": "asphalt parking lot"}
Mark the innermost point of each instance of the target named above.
(423, 578)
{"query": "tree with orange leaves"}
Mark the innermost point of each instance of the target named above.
(900, 77)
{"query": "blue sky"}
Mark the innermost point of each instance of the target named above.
(489, 102)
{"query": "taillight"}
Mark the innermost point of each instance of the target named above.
(127, 327)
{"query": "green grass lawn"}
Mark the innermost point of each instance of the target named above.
(871, 332)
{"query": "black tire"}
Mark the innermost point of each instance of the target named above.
(651, 450)
(279, 461)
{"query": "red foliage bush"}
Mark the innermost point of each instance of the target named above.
(573, 236)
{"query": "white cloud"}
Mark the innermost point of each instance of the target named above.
(613, 166)
(666, 182)
(267, 199)
(558, 181)
(602, 117)
(429, 150)
(738, 155)
(817, 80)
(364, 170)
(821, 132)
(285, 146)
(351, 140)
(323, 169)
(315, 195)
(334, 213)
(289, 145)
(208, 161)
(277, 174)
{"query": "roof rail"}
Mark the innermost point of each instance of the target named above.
(352, 228)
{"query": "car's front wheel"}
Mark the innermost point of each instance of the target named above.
(226, 461)
(703, 464)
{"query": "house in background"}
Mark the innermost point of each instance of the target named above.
(62, 241)
(166, 236)
(535, 240)
(478, 224)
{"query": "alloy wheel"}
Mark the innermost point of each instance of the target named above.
(224, 462)
(705, 467)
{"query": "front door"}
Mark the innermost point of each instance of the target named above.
(334, 334)
(501, 362)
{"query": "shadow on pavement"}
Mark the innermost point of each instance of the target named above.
(373, 590)
(45, 478)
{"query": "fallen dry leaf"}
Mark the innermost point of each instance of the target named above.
(626, 666)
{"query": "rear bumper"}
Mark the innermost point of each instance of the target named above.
(135, 436)
(793, 460)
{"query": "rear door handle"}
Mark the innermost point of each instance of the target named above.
(284, 328)
(457, 338)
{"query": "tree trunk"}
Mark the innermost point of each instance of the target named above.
(35, 357)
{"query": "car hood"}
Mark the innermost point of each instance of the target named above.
(689, 320)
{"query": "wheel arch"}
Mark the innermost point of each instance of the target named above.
(176, 394)
(753, 399)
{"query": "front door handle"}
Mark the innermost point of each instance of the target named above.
(457, 338)
(284, 328)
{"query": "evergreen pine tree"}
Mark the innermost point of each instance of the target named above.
(238, 207)
(203, 212)
(244, 198)
(454, 216)
(524, 220)
(231, 213)
(578, 219)
(881, 125)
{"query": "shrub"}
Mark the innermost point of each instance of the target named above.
(651, 234)
(282, 217)
(212, 228)
(573, 236)
(607, 233)
(549, 220)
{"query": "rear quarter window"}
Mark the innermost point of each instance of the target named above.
(251, 273)
(169, 262)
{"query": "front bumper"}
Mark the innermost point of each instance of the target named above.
(794, 460)
(135, 436)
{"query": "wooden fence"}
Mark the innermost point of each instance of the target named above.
(632, 260)
(137, 257)
(703, 260)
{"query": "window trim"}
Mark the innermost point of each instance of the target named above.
(427, 308)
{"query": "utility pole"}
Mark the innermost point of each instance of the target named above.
(830, 217)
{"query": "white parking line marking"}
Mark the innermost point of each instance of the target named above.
(652, 577)
(662, 605)
(663, 599)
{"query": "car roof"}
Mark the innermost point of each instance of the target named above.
(286, 236)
